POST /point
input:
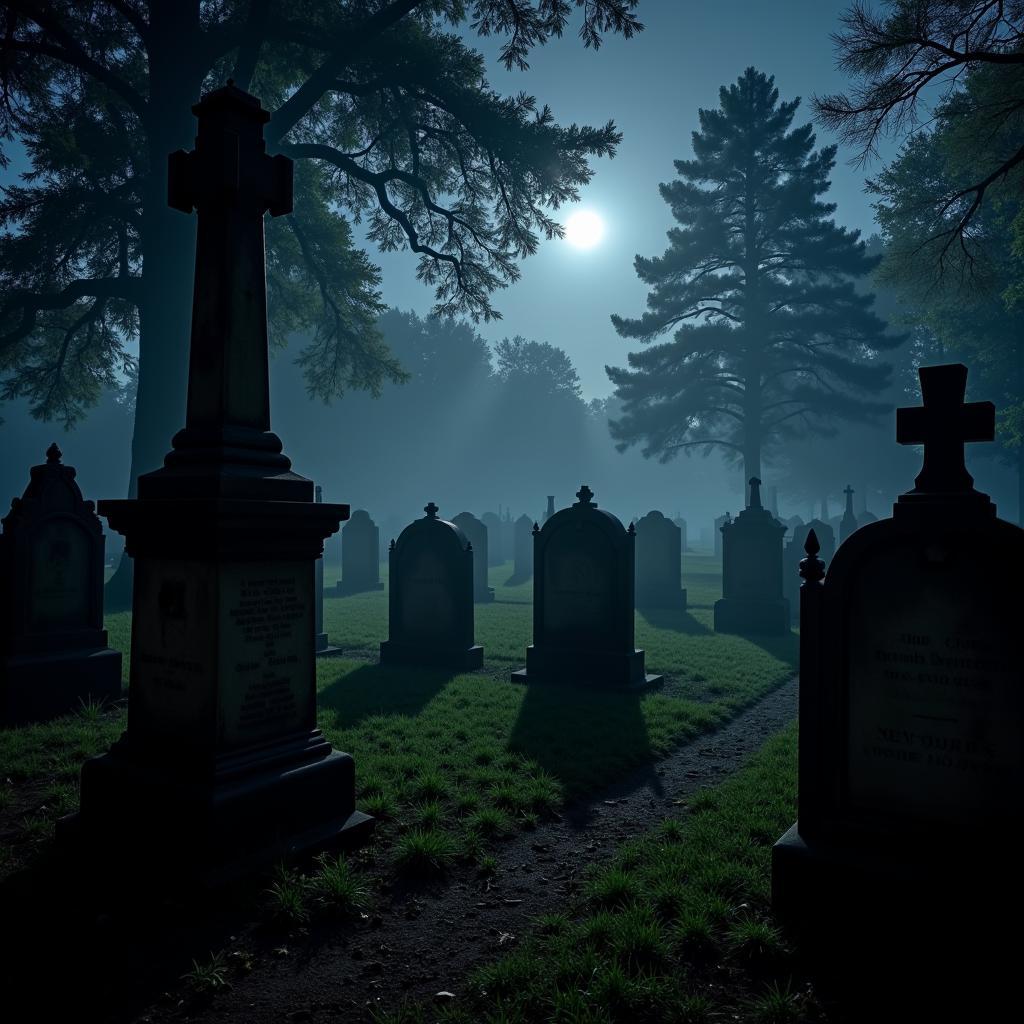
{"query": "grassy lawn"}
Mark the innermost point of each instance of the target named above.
(446, 761)
(677, 929)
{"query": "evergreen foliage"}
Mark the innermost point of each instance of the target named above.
(771, 340)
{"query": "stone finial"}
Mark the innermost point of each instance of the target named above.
(54, 454)
(431, 510)
(849, 492)
(755, 493)
(812, 568)
(391, 546)
(586, 496)
(536, 528)
(632, 530)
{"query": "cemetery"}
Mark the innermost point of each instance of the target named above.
(406, 676)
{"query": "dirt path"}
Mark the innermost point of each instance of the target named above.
(423, 941)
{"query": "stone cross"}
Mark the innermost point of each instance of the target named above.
(943, 425)
(586, 495)
(848, 491)
(231, 181)
(431, 510)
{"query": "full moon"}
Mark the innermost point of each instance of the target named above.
(584, 229)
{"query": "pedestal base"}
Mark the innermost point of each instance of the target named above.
(484, 596)
(37, 687)
(343, 589)
(920, 935)
(596, 670)
(323, 648)
(743, 617)
(464, 659)
(143, 811)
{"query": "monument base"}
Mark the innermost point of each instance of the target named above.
(879, 924)
(252, 810)
(464, 659)
(484, 597)
(596, 669)
(37, 687)
(323, 648)
(743, 617)
(343, 589)
(669, 598)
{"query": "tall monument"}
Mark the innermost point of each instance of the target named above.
(222, 760)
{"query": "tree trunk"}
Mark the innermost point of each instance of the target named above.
(168, 264)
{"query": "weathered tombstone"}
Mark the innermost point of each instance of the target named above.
(719, 523)
(321, 645)
(848, 524)
(681, 523)
(794, 552)
(53, 647)
(222, 766)
(430, 597)
(476, 532)
(495, 539)
(911, 775)
(522, 550)
(752, 600)
(659, 563)
(583, 612)
(793, 522)
(360, 547)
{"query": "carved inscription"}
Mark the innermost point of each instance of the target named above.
(934, 699)
(266, 658)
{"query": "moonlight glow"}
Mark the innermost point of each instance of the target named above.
(584, 229)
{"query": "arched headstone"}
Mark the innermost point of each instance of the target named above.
(360, 547)
(658, 563)
(430, 597)
(53, 647)
(583, 610)
(477, 534)
(496, 554)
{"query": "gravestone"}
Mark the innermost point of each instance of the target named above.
(321, 645)
(430, 597)
(495, 539)
(659, 563)
(583, 613)
(752, 600)
(53, 647)
(794, 552)
(680, 522)
(792, 523)
(911, 775)
(550, 510)
(522, 550)
(360, 555)
(476, 532)
(222, 767)
(848, 524)
(508, 536)
(717, 532)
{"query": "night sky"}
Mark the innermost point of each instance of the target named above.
(652, 87)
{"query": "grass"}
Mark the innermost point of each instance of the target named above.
(677, 928)
(466, 758)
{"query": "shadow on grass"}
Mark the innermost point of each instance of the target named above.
(675, 619)
(786, 647)
(516, 579)
(583, 737)
(374, 690)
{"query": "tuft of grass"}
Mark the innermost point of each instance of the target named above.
(337, 886)
(777, 1004)
(488, 867)
(378, 805)
(488, 822)
(430, 815)
(637, 940)
(613, 887)
(429, 785)
(206, 979)
(756, 944)
(695, 935)
(284, 902)
(422, 853)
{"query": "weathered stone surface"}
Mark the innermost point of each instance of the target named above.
(476, 533)
(53, 647)
(659, 547)
(360, 555)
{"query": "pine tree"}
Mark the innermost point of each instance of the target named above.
(771, 339)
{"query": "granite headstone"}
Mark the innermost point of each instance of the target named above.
(476, 532)
(360, 554)
(659, 563)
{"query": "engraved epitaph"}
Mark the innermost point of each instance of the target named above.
(911, 773)
(53, 647)
(583, 608)
(222, 764)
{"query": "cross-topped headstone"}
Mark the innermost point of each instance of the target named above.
(943, 425)
(231, 181)
(431, 509)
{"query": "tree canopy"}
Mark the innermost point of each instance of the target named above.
(770, 337)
